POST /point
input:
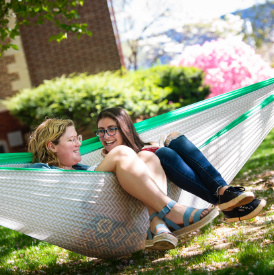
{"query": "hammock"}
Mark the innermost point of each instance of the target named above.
(89, 213)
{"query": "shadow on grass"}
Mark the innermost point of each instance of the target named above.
(250, 261)
(251, 258)
(11, 240)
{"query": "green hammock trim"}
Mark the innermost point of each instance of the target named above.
(200, 106)
(50, 170)
(15, 158)
(240, 119)
(94, 144)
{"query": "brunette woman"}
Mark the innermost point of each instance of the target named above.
(183, 163)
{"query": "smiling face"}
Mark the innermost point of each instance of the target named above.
(110, 142)
(66, 150)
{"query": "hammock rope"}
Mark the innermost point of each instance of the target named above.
(89, 213)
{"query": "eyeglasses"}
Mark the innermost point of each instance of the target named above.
(75, 139)
(110, 131)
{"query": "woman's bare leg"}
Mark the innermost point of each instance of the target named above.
(154, 172)
(136, 179)
(158, 174)
(154, 166)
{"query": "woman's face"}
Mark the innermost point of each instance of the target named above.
(67, 149)
(110, 142)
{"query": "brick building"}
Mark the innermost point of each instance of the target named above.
(38, 60)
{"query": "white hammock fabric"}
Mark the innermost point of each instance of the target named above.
(89, 213)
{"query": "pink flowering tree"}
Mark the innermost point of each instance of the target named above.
(228, 64)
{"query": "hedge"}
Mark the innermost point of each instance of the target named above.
(81, 97)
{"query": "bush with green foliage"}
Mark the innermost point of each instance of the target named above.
(185, 83)
(82, 97)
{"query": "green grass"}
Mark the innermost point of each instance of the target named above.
(219, 248)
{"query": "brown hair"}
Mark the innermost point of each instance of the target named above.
(49, 131)
(125, 125)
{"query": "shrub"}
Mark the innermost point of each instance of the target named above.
(228, 64)
(82, 97)
(186, 84)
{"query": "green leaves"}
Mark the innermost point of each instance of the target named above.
(15, 47)
(89, 33)
(186, 84)
(3, 34)
(49, 17)
(25, 22)
(14, 32)
(79, 35)
(59, 37)
(61, 12)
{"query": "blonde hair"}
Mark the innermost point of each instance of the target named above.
(49, 131)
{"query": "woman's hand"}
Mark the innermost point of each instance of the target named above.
(104, 152)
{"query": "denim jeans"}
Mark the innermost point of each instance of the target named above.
(186, 166)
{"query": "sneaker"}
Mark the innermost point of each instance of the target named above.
(245, 212)
(235, 197)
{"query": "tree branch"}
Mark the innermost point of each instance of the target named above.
(155, 59)
(153, 21)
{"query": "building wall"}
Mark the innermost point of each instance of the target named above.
(98, 53)
(38, 60)
(14, 76)
(6, 78)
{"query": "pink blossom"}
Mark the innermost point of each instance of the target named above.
(228, 64)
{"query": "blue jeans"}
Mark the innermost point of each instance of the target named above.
(186, 166)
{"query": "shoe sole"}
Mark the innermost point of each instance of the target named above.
(197, 225)
(161, 242)
(242, 199)
(251, 215)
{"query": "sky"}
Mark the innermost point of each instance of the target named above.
(181, 12)
(214, 8)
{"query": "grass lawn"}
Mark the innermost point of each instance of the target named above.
(219, 248)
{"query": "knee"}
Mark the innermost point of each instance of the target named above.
(165, 153)
(172, 136)
(122, 151)
(143, 155)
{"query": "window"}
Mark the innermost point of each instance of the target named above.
(3, 146)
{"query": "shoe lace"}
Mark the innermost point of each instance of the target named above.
(239, 188)
(231, 188)
(245, 207)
